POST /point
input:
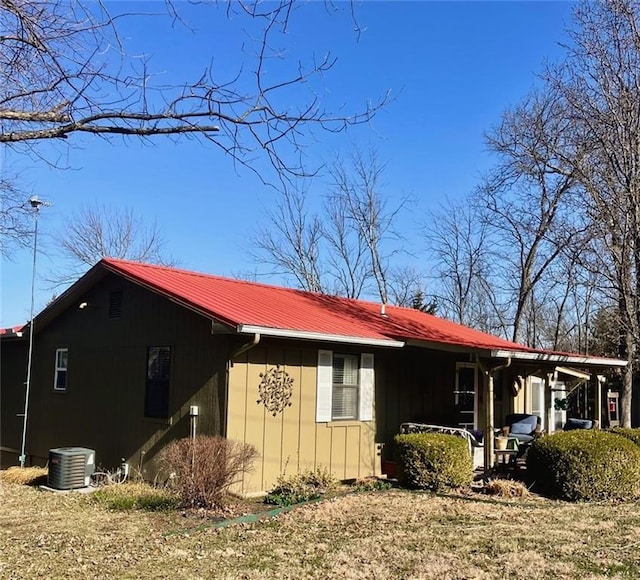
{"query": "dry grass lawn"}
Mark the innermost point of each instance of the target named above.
(392, 534)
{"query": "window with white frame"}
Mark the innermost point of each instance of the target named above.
(345, 387)
(344, 397)
(62, 361)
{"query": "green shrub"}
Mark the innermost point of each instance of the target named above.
(304, 486)
(434, 461)
(132, 496)
(202, 469)
(585, 465)
(632, 434)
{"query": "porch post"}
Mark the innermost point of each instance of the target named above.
(548, 402)
(599, 380)
(489, 429)
(489, 411)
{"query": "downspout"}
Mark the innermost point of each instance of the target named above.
(489, 435)
(244, 348)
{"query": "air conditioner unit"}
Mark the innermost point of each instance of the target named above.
(71, 467)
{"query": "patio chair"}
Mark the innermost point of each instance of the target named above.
(522, 427)
(572, 424)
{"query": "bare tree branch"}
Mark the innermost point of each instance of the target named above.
(600, 82)
(343, 251)
(16, 219)
(100, 231)
(64, 71)
(289, 240)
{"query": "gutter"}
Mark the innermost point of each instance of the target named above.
(559, 358)
(317, 336)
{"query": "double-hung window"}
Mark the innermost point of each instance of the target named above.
(344, 396)
(345, 387)
(60, 377)
(156, 395)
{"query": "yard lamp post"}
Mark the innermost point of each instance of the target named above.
(36, 203)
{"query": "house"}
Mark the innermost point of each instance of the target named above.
(132, 356)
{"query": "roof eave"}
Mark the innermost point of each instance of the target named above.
(449, 346)
(317, 336)
(559, 358)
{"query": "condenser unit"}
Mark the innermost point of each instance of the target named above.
(71, 467)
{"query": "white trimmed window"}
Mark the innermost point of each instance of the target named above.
(345, 387)
(60, 378)
(344, 398)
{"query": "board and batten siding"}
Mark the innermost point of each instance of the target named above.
(103, 405)
(295, 439)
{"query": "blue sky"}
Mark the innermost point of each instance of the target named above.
(452, 67)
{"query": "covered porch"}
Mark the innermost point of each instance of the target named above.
(477, 390)
(544, 384)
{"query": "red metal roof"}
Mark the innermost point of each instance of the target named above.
(239, 303)
(12, 331)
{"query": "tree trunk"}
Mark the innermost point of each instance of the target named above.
(627, 383)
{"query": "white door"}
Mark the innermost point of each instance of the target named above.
(537, 399)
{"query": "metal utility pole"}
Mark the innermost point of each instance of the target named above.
(36, 203)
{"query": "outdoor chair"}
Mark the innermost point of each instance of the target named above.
(473, 439)
(572, 424)
(522, 427)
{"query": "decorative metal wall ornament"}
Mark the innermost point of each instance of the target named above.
(275, 390)
(517, 385)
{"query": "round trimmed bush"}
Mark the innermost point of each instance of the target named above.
(434, 461)
(631, 434)
(585, 465)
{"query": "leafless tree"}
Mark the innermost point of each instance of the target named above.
(98, 231)
(64, 72)
(408, 287)
(458, 243)
(600, 83)
(357, 190)
(16, 219)
(346, 250)
(289, 240)
(345, 243)
(527, 198)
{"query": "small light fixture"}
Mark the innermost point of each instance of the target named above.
(83, 305)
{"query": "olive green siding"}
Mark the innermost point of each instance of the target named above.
(13, 369)
(103, 405)
(410, 384)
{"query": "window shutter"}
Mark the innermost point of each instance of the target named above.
(324, 386)
(367, 387)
